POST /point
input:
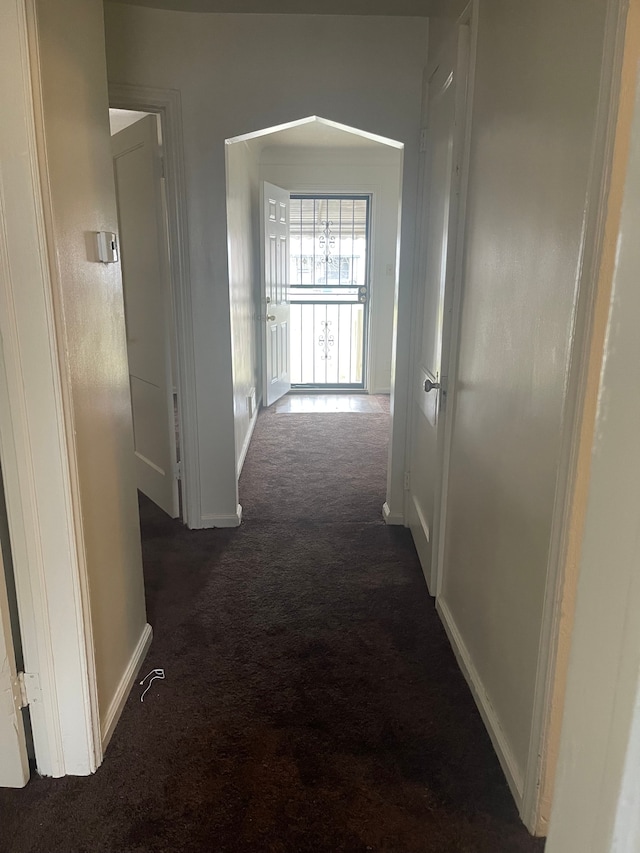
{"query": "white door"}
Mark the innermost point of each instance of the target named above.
(446, 98)
(275, 293)
(14, 765)
(147, 298)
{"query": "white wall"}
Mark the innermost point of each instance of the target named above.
(353, 170)
(536, 90)
(238, 74)
(244, 250)
(90, 321)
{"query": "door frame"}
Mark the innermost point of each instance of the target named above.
(36, 430)
(13, 738)
(600, 776)
(577, 418)
(166, 104)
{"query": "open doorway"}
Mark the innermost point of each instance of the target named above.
(328, 290)
(313, 303)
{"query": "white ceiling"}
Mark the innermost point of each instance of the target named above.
(417, 8)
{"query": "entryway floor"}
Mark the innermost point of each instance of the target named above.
(311, 704)
(301, 403)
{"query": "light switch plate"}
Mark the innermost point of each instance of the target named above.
(107, 247)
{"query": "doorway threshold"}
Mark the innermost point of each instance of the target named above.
(370, 404)
(328, 389)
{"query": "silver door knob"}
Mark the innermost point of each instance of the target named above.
(430, 386)
(270, 317)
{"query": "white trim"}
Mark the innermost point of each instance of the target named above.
(209, 521)
(363, 134)
(595, 807)
(391, 517)
(247, 441)
(501, 745)
(36, 429)
(167, 104)
(421, 539)
(114, 711)
(575, 390)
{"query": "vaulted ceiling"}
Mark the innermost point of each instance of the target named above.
(418, 8)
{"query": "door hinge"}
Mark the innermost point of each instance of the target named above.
(407, 481)
(162, 171)
(26, 689)
(423, 140)
(179, 470)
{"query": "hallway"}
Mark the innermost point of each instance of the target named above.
(311, 700)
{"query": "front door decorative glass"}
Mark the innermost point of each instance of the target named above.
(329, 288)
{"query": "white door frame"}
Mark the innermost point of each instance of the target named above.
(598, 784)
(14, 767)
(166, 104)
(36, 430)
(562, 578)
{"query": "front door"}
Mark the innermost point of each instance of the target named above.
(328, 289)
(148, 309)
(446, 96)
(14, 765)
(275, 293)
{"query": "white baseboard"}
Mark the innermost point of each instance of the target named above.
(209, 521)
(515, 777)
(422, 539)
(247, 441)
(110, 719)
(391, 517)
(426, 532)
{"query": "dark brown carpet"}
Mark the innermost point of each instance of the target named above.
(312, 702)
(316, 467)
